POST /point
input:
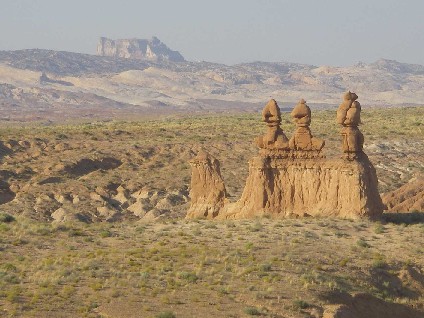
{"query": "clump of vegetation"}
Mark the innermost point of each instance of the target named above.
(6, 218)
(379, 261)
(300, 304)
(105, 233)
(265, 267)
(379, 229)
(188, 276)
(166, 314)
(362, 243)
(252, 311)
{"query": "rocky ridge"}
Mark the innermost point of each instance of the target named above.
(407, 198)
(139, 86)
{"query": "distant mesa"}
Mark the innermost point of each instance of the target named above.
(141, 49)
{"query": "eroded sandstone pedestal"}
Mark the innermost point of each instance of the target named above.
(281, 188)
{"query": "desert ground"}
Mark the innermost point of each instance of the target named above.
(92, 224)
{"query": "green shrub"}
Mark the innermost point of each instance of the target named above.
(188, 276)
(265, 267)
(300, 304)
(166, 314)
(75, 232)
(252, 311)
(379, 261)
(362, 243)
(6, 218)
(105, 233)
(379, 229)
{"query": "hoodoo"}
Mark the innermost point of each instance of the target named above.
(292, 178)
(207, 187)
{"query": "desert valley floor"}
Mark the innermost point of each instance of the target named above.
(92, 224)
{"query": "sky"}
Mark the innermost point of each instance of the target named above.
(318, 32)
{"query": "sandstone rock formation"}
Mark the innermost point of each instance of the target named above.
(152, 49)
(348, 99)
(207, 187)
(275, 137)
(285, 187)
(293, 181)
(349, 116)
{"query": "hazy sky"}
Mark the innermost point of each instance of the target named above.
(330, 32)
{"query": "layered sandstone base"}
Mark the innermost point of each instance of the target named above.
(282, 188)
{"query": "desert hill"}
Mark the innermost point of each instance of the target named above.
(109, 87)
(407, 198)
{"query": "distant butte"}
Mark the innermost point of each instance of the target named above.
(141, 49)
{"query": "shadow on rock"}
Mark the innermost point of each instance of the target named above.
(6, 195)
(85, 166)
(4, 151)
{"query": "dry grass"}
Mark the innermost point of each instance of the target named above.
(289, 268)
(192, 269)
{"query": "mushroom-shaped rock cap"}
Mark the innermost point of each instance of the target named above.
(301, 110)
(271, 112)
(271, 103)
(202, 155)
(350, 96)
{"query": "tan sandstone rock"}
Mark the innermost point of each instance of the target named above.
(275, 137)
(349, 116)
(302, 138)
(207, 187)
(62, 215)
(283, 188)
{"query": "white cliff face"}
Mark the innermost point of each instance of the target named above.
(152, 49)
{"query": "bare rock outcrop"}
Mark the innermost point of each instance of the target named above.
(207, 187)
(281, 187)
(142, 49)
(292, 178)
(408, 198)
